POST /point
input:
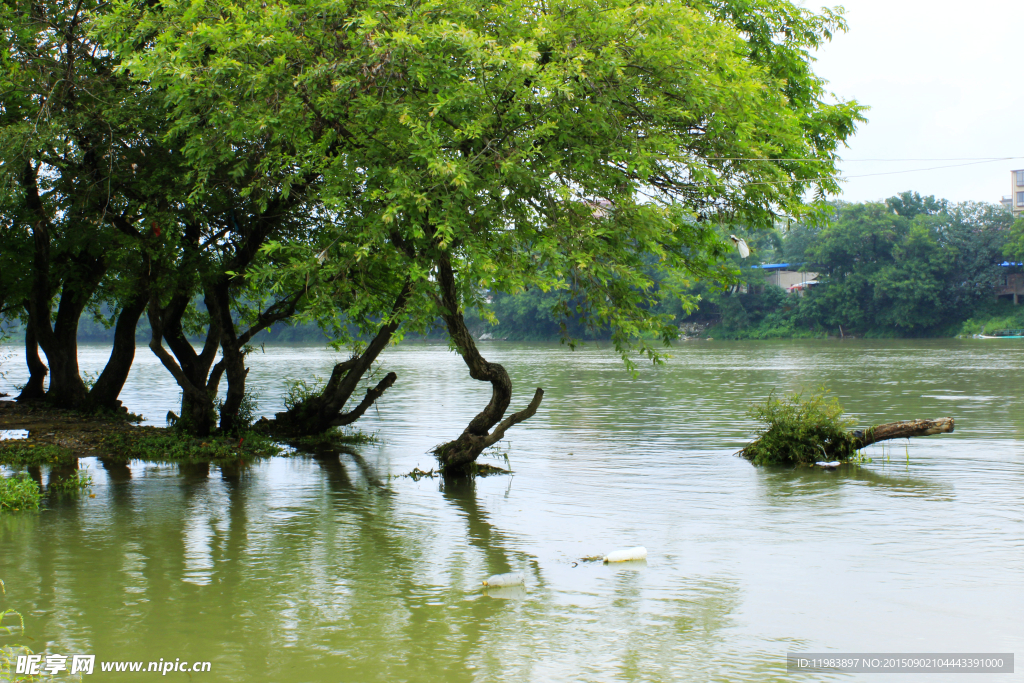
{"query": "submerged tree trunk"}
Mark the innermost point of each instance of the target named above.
(33, 389)
(318, 413)
(902, 430)
(232, 361)
(455, 456)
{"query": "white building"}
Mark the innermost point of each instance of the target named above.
(1017, 193)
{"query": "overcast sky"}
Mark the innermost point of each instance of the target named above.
(943, 80)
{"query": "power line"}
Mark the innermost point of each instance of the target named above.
(932, 168)
(868, 175)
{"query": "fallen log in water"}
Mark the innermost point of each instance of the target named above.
(902, 430)
(801, 430)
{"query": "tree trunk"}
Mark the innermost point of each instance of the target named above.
(235, 372)
(456, 456)
(191, 370)
(34, 389)
(319, 413)
(232, 362)
(233, 347)
(902, 430)
(104, 393)
(60, 342)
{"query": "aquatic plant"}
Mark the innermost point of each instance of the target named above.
(21, 454)
(800, 429)
(9, 653)
(803, 431)
(247, 411)
(72, 484)
(335, 437)
(19, 493)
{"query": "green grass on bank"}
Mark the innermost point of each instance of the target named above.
(20, 454)
(989, 318)
(772, 327)
(1001, 316)
(173, 446)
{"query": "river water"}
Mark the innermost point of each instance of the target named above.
(303, 569)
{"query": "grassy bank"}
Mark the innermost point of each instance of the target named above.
(57, 438)
(1001, 316)
(153, 444)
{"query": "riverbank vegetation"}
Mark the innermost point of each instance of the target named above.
(910, 266)
(158, 445)
(219, 171)
(58, 438)
(19, 493)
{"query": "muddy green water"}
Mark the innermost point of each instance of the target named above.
(332, 570)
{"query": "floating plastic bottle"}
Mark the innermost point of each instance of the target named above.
(829, 465)
(502, 580)
(506, 593)
(637, 553)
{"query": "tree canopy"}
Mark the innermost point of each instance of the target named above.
(538, 145)
(378, 165)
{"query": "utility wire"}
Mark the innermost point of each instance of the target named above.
(868, 175)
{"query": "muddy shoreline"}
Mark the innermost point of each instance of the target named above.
(84, 435)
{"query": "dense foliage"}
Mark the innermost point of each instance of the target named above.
(800, 430)
(372, 167)
(19, 493)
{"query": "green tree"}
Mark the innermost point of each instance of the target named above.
(908, 289)
(72, 159)
(910, 204)
(1014, 248)
(500, 147)
(913, 265)
(102, 212)
(976, 233)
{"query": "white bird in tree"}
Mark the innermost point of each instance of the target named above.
(741, 245)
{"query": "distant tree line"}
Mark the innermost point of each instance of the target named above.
(910, 266)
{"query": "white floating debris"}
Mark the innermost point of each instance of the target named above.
(834, 463)
(501, 580)
(637, 553)
(506, 593)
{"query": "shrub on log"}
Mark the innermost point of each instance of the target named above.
(803, 430)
